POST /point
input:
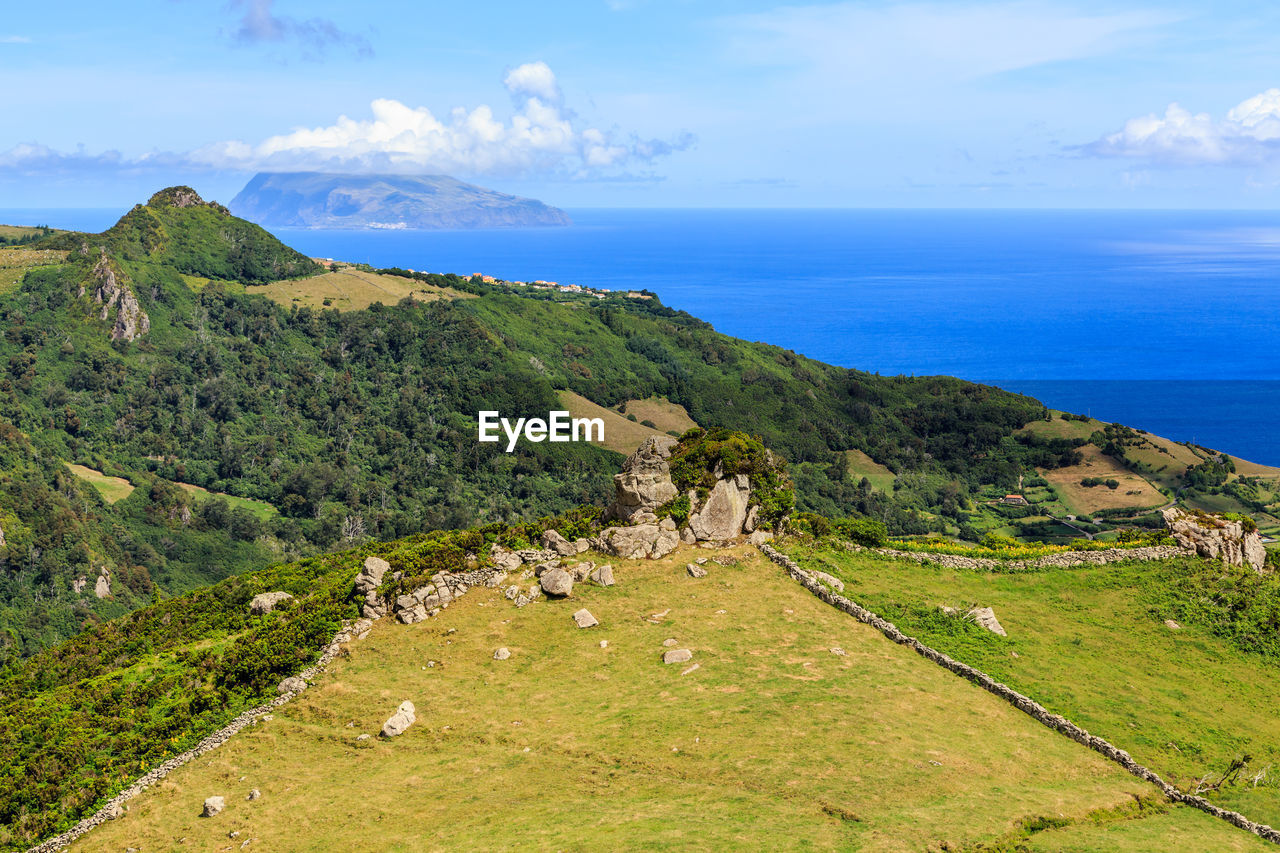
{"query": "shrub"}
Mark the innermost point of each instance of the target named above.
(700, 454)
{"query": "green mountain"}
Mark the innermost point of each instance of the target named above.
(321, 200)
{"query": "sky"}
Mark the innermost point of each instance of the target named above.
(653, 103)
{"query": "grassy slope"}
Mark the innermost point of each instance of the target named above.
(350, 289)
(1091, 644)
(774, 742)
(620, 434)
(662, 413)
(112, 489)
(861, 465)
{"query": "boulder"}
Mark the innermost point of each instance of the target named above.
(556, 582)
(553, 541)
(641, 541)
(292, 684)
(1171, 625)
(1215, 537)
(581, 571)
(254, 794)
(502, 653)
(687, 536)
(580, 545)
(584, 619)
(752, 519)
(986, 617)
(759, 537)
(213, 806)
(677, 656)
(724, 512)
(370, 577)
(400, 721)
(265, 602)
(695, 571)
(603, 575)
(645, 482)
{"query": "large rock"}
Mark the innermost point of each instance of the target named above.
(677, 656)
(265, 602)
(400, 721)
(508, 561)
(640, 541)
(553, 541)
(603, 575)
(645, 482)
(556, 581)
(213, 806)
(986, 617)
(370, 577)
(1215, 537)
(723, 514)
(584, 619)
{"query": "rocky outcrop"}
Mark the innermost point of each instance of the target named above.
(367, 583)
(986, 617)
(113, 294)
(102, 586)
(399, 722)
(1216, 538)
(645, 482)
(265, 602)
(641, 541)
(724, 512)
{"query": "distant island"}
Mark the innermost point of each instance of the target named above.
(320, 200)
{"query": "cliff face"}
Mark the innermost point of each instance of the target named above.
(315, 200)
(113, 294)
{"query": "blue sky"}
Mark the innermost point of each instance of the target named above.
(655, 103)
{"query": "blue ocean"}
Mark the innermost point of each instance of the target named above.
(1164, 320)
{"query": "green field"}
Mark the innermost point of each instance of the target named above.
(1092, 644)
(773, 742)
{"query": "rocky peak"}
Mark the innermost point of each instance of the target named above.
(181, 197)
(1236, 543)
(113, 294)
(645, 482)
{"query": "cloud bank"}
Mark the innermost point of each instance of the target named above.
(1249, 135)
(541, 138)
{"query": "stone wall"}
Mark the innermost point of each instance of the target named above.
(1060, 560)
(1023, 703)
(114, 808)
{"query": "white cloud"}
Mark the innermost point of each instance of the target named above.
(1248, 135)
(540, 137)
(15, 40)
(260, 23)
(535, 80)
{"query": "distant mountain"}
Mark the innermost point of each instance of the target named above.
(317, 200)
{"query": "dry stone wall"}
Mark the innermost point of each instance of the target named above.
(1023, 703)
(1061, 560)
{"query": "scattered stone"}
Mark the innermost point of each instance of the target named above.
(701, 561)
(662, 615)
(1171, 625)
(213, 806)
(235, 833)
(511, 593)
(581, 571)
(986, 617)
(677, 656)
(254, 795)
(502, 653)
(669, 642)
(265, 602)
(604, 644)
(695, 571)
(362, 737)
(398, 722)
(584, 619)
(292, 684)
(839, 652)
(556, 582)
(691, 669)
(603, 575)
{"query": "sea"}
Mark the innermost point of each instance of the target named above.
(1167, 321)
